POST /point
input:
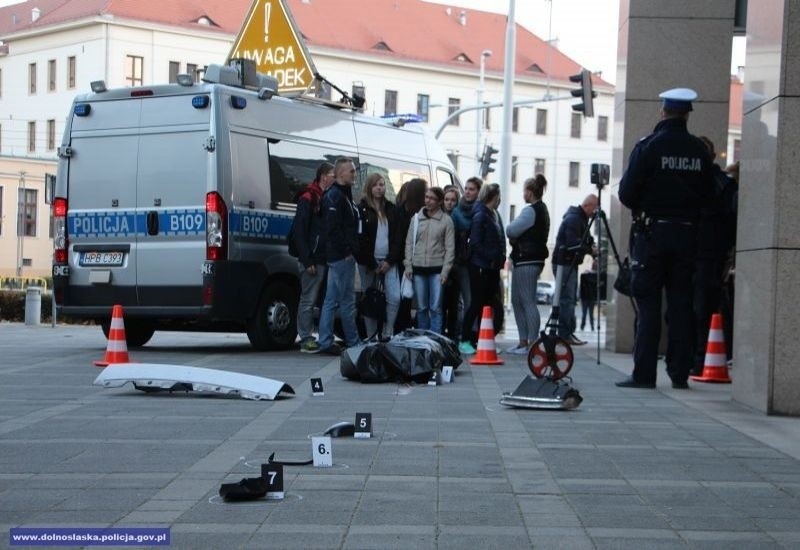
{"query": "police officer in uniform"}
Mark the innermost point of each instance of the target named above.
(667, 181)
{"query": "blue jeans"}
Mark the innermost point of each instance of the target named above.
(310, 285)
(428, 292)
(340, 291)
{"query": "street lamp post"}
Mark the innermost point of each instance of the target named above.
(480, 117)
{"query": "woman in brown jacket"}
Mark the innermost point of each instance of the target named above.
(430, 251)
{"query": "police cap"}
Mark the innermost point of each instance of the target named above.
(678, 99)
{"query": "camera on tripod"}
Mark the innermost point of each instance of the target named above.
(600, 174)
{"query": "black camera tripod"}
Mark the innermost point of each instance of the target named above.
(551, 356)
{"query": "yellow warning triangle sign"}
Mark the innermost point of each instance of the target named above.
(269, 36)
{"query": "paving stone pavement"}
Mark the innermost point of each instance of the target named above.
(448, 466)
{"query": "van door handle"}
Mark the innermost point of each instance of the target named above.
(152, 223)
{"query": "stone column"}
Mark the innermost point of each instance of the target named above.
(663, 45)
(766, 372)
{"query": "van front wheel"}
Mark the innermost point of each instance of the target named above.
(274, 327)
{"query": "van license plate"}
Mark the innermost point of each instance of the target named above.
(101, 258)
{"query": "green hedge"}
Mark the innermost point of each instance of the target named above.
(12, 306)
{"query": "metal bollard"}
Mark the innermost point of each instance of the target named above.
(33, 305)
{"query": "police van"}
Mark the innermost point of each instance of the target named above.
(174, 201)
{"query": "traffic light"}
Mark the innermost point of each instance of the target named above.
(487, 159)
(585, 92)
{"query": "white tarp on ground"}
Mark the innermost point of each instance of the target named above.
(151, 377)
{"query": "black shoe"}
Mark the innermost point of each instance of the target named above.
(574, 340)
(676, 385)
(333, 349)
(629, 382)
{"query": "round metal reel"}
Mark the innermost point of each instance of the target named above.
(540, 365)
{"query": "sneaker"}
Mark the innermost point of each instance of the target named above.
(333, 349)
(309, 346)
(518, 350)
(466, 348)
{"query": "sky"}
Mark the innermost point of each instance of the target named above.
(585, 30)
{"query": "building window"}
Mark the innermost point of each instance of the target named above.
(1, 209)
(541, 122)
(512, 212)
(390, 102)
(191, 68)
(575, 128)
(602, 128)
(514, 161)
(453, 105)
(574, 174)
(71, 64)
(1, 82)
(32, 136)
(26, 226)
(453, 159)
(487, 118)
(359, 90)
(737, 149)
(423, 105)
(134, 70)
(538, 166)
(51, 134)
(515, 119)
(32, 78)
(51, 75)
(174, 69)
(323, 90)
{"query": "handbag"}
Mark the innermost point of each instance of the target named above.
(373, 303)
(407, 285)
(623, 282)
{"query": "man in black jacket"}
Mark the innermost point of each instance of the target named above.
(309, 242)
(342, 227)
(572, 244)
(667, 182)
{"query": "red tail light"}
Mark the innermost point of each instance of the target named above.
(216, 227)
(60, 237)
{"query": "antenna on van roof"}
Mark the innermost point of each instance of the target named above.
(356, 102)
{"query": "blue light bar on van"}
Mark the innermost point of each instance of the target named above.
(200, 101)
(238, 102)
(405, 117)
(83, 109)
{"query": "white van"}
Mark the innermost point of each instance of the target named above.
(174, 201)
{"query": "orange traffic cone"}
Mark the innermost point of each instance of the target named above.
(715, 368)
(117, 349)
(487, 354)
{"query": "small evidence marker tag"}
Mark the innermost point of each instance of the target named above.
(363, 426)
(447, 374)
(316, 387)
(273, 473)
(322, 451)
